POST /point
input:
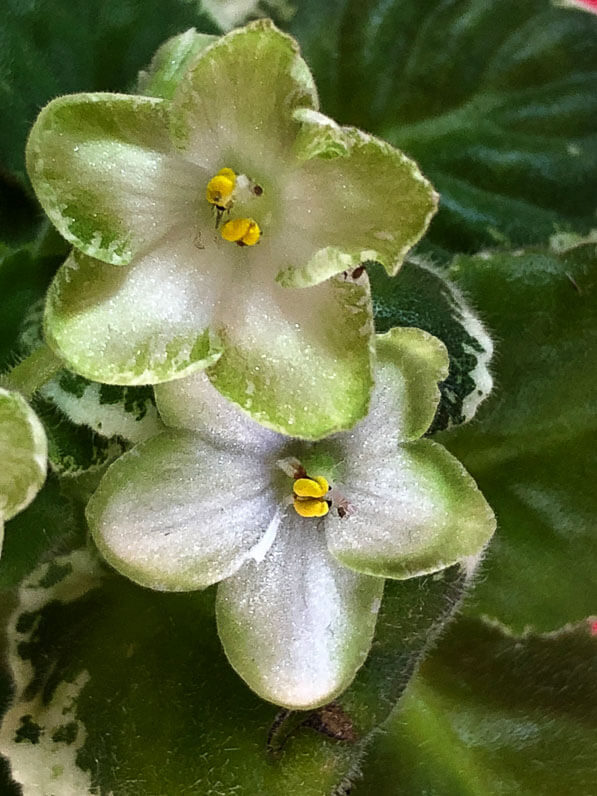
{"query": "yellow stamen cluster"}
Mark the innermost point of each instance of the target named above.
(221, 192)
(309, 496)
(243, 231)
(220, 189)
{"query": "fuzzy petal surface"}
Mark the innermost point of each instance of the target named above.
(298, 361)
(417, 511)
(355, 198)
(195, 404)
(23, 454)
(234, 106)
(171, 61)
(142, 324)
(176, 513)
(297, 626)
(410, 365)
(105, 172)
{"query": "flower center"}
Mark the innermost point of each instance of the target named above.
(310, 496)
(223, 190)
(243, 231)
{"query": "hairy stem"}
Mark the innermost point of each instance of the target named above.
(33, 372)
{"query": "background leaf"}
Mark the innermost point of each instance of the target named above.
(420, 296)
(493, 714)
(496, 101)
(49, 48)
(95, 659)
(532, 446)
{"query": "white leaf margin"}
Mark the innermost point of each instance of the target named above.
(48, 766)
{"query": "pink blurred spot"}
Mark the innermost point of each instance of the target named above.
(593, 626)
(584, 5)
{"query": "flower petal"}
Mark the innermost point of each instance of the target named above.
(298, 361)
(171, 61)
(23, 453)
(298, 626)
(103, 168)
(418, 511)
(234, 106)
(175, 513)
(354, 199)
(410, 363)
(195, 404)
(138, 325)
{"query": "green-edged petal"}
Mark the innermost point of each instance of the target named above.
(138, 325)
(194, 403)
(176, 514)
(410, 363)
(104, 171)
(355, 198)
(298, 361)
(418, 511)
(23, 454)
(234, 106)
(297, 626)
(170, 63)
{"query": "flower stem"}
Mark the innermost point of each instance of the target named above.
(33, 372)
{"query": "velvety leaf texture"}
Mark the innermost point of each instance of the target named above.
(99, 647)
(496, 101)
(531, 448)
(491, 714)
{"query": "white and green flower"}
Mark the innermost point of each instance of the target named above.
(23, 454)
(301, 567)
(216, 227)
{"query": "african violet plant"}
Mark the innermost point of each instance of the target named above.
(240, 372)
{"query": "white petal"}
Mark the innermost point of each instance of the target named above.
(416, 511)
(177, 514)
(410, 363)
(299, 361)
(141, 324)
(195, 404)
(298, 626)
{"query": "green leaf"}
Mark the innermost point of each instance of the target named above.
(50, 49)
(413, 612)
(95, 659)
(20, 217)
(532, 447)
(488, 714)
(51, 524)
(421, 297)
(90, 424)
(24, 279)
(496, 102)
(88, 651)
(87, 424)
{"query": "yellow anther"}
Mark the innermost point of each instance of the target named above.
(243, 231)
(220, 189)
(310, 507)
(311, 487)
